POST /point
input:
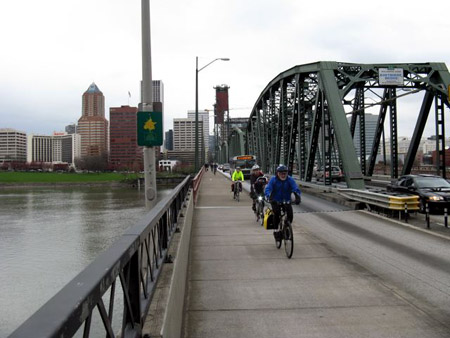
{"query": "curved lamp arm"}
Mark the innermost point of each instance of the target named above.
(222, 59)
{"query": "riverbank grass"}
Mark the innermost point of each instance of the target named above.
(30, 177)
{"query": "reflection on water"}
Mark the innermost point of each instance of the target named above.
(49, 235)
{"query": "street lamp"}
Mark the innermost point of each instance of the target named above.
(196, 104)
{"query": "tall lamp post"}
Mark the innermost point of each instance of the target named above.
(147, 103)
(196, 105)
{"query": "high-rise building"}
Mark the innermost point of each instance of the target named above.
(184, 138)
(71, 128)
(203, 118)
(66, 147)
(40, 148)
(124, 151)
(184, 134)
(13, 145)
(168, 140)
(70, 147)
(158, 91)
(59, 147)
(157, 94)
(371, 122)
(93, 126)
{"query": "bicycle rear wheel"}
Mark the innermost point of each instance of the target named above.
(288, 238)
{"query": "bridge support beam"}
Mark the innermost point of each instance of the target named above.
(352, 169)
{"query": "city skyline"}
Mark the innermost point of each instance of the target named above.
(51, 56)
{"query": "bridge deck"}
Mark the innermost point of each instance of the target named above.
(240, 285)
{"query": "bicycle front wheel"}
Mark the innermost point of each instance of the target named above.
(288, 238)
(261, 213)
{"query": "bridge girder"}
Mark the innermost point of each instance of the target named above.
(299, 119)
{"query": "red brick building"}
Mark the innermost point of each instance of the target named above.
(124, 151)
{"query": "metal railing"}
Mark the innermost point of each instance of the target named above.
(196, 183)
(124, 275)
(383, 200)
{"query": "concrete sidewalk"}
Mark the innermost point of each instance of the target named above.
(240, 285)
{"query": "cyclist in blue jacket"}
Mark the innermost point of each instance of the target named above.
(279, 190)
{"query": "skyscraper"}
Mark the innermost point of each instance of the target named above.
(157, 95)
(124, 151)
(168, 141)
(371, 122)
(158, 91)
(93, 126)
(203, 118)
(184, 140)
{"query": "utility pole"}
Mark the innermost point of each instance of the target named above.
(146, 104)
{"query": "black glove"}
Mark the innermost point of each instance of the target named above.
(298, 199)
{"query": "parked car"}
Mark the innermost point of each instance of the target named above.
(336, 174)
(226, 167)
(431, 189)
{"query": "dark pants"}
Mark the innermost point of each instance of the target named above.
(239, 184)
(276, 208)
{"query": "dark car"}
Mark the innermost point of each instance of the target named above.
(431, 189)
(336, 174)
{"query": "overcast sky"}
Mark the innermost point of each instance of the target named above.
(52, 50)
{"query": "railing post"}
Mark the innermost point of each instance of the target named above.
(133, 310)
(406, 212)
(427, 215)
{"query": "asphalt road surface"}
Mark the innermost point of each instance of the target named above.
(413, 263)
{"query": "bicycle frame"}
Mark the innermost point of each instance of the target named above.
(236, 189)
(283, 214)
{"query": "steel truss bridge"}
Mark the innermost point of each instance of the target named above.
(300, 118)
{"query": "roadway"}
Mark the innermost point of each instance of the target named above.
(353, 273)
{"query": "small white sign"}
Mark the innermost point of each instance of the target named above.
(390, 77)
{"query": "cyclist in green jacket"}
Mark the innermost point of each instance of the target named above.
(237, 175)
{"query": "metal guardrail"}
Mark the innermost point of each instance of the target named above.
(384, 200)
(196, 183)
(124, 275)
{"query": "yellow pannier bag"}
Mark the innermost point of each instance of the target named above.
(268, 220)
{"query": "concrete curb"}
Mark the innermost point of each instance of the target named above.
(165, 317)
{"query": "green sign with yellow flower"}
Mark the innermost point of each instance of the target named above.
(150, 128)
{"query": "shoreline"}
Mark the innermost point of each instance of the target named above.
(60, 184)
(162, 181)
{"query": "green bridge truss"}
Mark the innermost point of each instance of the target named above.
(300, 118)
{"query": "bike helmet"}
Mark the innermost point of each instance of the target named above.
(238, 168)
(255, 167)
(282, 168)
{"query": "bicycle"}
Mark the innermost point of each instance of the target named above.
(259, 211)
(236, 190)
(286, 235)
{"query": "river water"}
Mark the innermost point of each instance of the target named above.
(49, 235)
